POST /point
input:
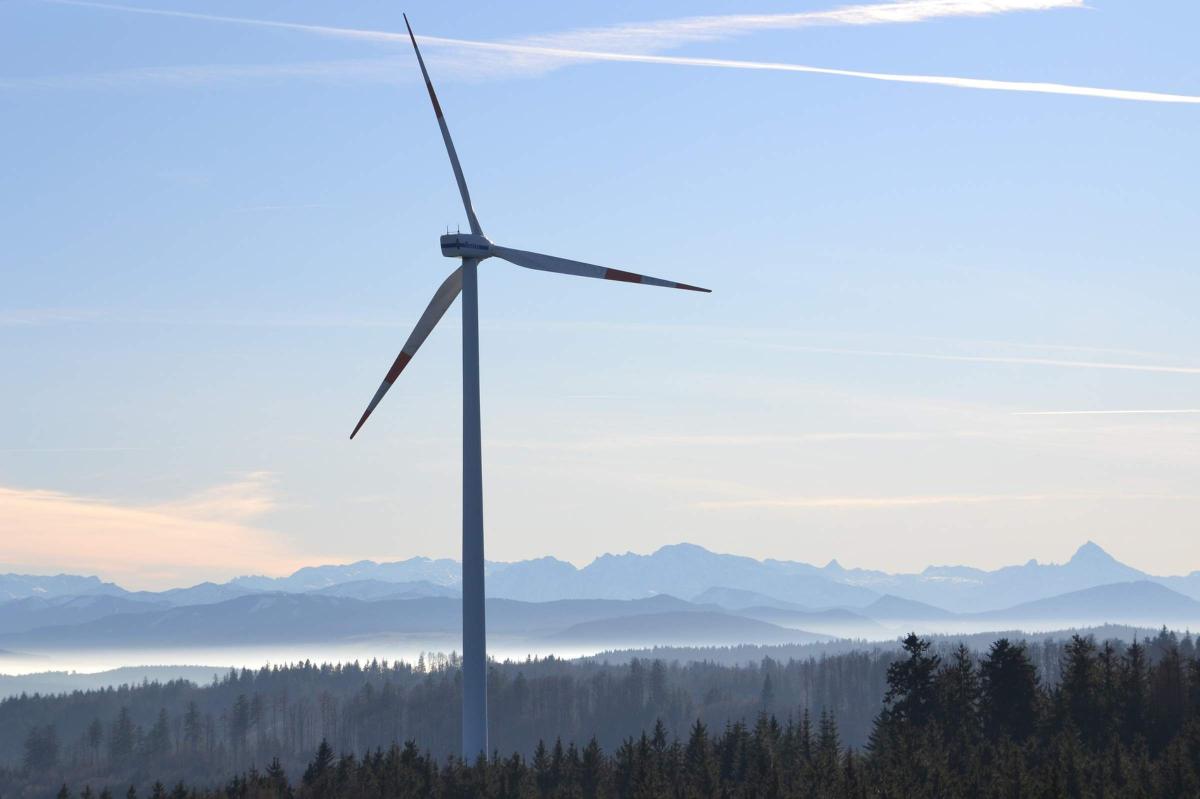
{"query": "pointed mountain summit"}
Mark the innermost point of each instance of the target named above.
(1094, 562)
(1092, 553)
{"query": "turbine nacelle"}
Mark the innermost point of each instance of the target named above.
(466, 245)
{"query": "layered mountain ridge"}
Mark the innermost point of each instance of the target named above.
(676, 594)
(682, 570)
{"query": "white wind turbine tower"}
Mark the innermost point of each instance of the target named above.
(473, 248)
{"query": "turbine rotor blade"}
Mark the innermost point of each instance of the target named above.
(443, 298)
(563, 266)
(437, 109)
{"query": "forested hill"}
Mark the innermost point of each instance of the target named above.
(1144, 695)
(250, 717)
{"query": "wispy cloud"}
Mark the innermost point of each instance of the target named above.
(526, 56)
(630, 42)
(1132, 412)
(26, 317)
(67, 450)
(215, 533)
(320, 30)
(1001, 359)
(252, 209)
(172, 317)
(241, 501)
(660, 35)
(654, 36)
(370, 70)
(730, 440)
(851, 502)
(1039, 345)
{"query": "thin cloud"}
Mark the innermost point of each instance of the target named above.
(69, 450)
(373, 70)
(179, 317)
(1001, 359)
(733, 440)
(1026, 345)
(648, 37)
(144, 545)
(636, 43)
(266, 208)
(27, 317)
(321, 30)
(241, 501)
(1131, 412)
(818, 503)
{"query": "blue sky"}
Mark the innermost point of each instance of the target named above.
(217, 235)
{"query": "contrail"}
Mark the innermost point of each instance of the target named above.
(1164, 411)
(932, 80)
(662, 34)
(1134, 367)
(672, 33)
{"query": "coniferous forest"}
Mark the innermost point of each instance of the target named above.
(1075, 718)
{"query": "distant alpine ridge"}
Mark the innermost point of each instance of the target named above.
(684, 570)
(679, 595)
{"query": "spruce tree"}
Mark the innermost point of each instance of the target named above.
(1133, 693)
(122, 738)
(1078, 689)
(1009, 688)
(911, 698)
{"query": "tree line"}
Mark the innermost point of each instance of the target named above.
(247, 717)
(1106, 720)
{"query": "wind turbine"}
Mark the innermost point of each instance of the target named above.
(473, 248)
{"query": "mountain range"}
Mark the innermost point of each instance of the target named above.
(676, 595)
(682, 570)
(277, 618)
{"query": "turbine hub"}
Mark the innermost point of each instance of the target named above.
(466, 245)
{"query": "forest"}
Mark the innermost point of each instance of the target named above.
(1073, 718)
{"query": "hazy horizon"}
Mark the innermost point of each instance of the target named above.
(600, 555)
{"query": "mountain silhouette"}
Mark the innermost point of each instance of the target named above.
(674, 629)
(678, 570)
(548, 595)
(267, 618)
(311, 578)
(736, 599)
(894, 608)
(968, 589)
(33, 612)
(22, 586)
(381, 589)
(835, 622)
(1140, 602)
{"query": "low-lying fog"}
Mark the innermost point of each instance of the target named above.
(250, 656)
(65, 669)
